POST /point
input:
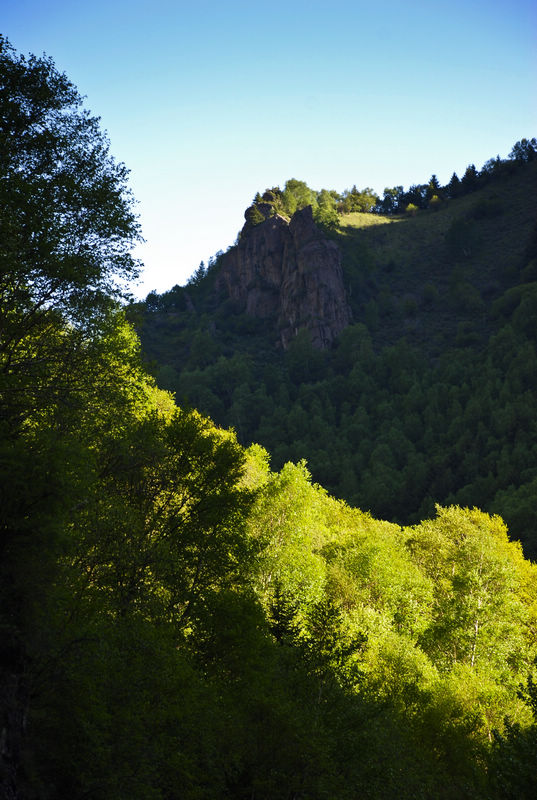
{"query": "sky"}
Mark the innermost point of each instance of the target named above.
(210, 101)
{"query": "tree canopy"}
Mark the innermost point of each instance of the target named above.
(177, 620)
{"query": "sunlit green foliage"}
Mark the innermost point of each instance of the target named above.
(180, 622)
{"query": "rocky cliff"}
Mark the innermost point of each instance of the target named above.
(289, 272)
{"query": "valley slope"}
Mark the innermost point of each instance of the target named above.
(420, 387)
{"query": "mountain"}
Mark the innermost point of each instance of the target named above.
(395, 353)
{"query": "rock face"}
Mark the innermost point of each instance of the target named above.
(289, 272)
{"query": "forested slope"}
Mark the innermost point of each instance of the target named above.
(178, 621)
(429, 396)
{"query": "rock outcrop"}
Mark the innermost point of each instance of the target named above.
(289, 272)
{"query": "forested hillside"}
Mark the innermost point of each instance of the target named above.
(429, 395)
(178, 619)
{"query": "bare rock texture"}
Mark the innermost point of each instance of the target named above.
(290, 272)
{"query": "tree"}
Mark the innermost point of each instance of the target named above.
(417, 195)
(67, 218)
(364, 200)
(198, 275)
(470, 179)
(253, 215)
(391, 202)
(480, 615)
(454, 186)
(66, 226)
(326, 213)
(525, 150)
(433, 188)
(287, 521)
(297, 195)
(164, 523)
(492, 168)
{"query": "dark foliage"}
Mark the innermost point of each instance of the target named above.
(150, 644)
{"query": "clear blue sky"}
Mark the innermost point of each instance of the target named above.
(208, 101)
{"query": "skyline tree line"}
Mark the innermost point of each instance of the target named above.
(329, 205)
